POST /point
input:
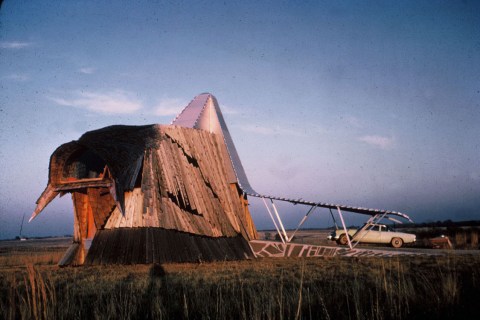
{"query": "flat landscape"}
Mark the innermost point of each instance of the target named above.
(427, 287)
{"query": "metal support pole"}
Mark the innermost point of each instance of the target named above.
(394, 220)
(279, 220)
(380, 217)
(372, 218)
(368, 227)
(344, 228)
(273, 219)
(303, 220)
(333, 218)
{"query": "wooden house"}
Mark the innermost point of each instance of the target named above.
(154, 193)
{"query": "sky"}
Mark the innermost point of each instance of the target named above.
(364, 103)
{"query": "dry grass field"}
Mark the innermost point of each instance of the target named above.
(423, 287)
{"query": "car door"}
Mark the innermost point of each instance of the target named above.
(386, 235)
(370, 235)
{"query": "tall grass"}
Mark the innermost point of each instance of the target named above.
(29, 295)
(22, 258)
(314, 288)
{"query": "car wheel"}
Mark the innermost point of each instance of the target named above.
(397, 242)
(342, 239)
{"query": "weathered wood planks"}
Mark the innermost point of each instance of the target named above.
(168, 178)
(184, 187)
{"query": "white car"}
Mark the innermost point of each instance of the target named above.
(373, 233)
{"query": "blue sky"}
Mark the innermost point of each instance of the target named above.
(364, 103)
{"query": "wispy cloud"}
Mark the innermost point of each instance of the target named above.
(18, 77)
(228, 110)
(87, 70)
(257, 129)
(169, 107)
(14, 44)
(269, 131)
(378, 141)
(354, 122)
(113, 102)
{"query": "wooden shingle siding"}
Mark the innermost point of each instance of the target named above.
(184, 188)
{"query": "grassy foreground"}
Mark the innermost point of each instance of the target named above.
(32, 287)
